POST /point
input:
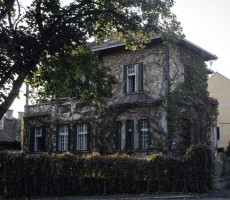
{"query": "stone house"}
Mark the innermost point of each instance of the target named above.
(142, 116)
(10, 131)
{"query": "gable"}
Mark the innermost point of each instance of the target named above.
(219, 87)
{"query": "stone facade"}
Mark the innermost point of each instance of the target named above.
(134, 119)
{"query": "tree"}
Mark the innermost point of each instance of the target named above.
(28, 40)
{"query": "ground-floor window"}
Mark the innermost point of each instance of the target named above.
(218, 134)
(38, 139)
(63, 140)
(82, 143)
(144, 134)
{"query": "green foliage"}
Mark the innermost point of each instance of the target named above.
(199, 169)
(227, 152)
(189, 107)
(49, 30)
(74, 74)
(31, 175)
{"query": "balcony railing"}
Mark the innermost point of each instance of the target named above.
(39, 109)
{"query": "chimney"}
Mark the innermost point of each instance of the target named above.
(20, 115)
(9, 114)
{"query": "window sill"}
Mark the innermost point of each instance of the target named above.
(138, 92)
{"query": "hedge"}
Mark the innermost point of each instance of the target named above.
(41, 175)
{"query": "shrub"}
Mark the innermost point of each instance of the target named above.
(42, 175)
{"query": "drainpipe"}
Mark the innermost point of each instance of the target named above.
(167, 91)
(27, 99)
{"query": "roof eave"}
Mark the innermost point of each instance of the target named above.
(207, 56)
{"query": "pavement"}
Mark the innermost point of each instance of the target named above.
(222, 194)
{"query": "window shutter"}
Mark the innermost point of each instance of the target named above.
(57, 137)
(43, 140)
(118, 136)
(148, 133)
(139, 132)
(129, 140)
(125, 79)
(74, 137)
(139, 80)
(31, 139)
(88, 136)
(126, 133)
(69, 138)
(132, 135)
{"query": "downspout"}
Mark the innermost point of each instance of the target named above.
(167, 86)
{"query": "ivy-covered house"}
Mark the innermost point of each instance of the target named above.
(159, 103)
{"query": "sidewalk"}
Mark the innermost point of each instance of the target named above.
(224, 194)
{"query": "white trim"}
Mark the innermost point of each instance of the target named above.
(37, 138)
(144, 131)
(130, 73)
(63, 138)
(82, 137)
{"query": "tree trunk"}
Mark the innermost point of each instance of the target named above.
(13, 94)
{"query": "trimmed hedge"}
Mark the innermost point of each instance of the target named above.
(42, 175)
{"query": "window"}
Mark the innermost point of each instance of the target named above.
(144, 133)
(38, 139)
(118, 136)
(133, 78)
(129, 135)
(82, 142)
(218, 134)
(63, 138)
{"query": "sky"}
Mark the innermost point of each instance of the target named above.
(205, 23)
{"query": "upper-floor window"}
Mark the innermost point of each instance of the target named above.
(63, 140)
(133, 78)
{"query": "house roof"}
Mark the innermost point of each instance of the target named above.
(191, 101)
(135, 98)
(220, 75)
(10, 130)
(113, 44)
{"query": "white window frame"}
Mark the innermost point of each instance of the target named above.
(132, 71)
(63, 140)
(220, 132)
(82, 137)
(37, 136)
(144, 134)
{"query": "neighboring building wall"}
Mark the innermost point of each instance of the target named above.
(10, 131)
(219, 88)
